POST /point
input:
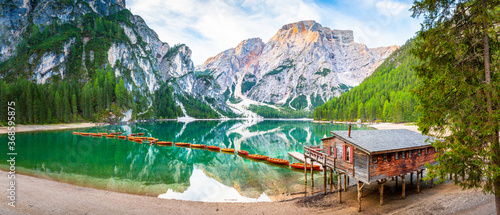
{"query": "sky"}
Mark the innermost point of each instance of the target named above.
(209, 27)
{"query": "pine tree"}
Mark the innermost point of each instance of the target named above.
(74, 107)
(460, 89)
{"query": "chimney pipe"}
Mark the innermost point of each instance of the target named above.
(349, 130)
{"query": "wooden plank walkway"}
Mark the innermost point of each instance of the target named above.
(300, 157)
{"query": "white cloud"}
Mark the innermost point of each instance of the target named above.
(393, 8)
(209, 27)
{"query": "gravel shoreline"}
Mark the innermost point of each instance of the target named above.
(41, 196)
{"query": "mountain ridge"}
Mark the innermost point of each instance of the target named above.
(303, 62)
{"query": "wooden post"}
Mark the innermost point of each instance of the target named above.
(396, 182)
(312, 173)
(360, 193)
(324, 180)
(340, 187)
(418, 182)
(381, 191)
(450, 176)
(403, 185)
(305, 168)
(432, 182)
(331, 180)
(411, 178)
(345, 182)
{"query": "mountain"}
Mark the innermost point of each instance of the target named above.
(303, 65)
(71, 46)
(386, 95)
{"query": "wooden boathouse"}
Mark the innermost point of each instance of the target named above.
(372, 156)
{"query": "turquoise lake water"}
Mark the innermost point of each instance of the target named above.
(174, 172)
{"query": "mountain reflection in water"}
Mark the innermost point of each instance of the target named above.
(125, 166)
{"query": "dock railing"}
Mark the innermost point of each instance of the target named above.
(317, 154)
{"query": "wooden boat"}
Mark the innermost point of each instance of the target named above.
(96, 135)
(278, 161)
(110, 136)
(131, 138)
(76, 133)
(140, 134)
(215, 148)
(258, 157)
(133, 135)
(227, 150)
(243, 152)
(85, 134)
(301, 166)
(202, 146)
(116, 133)
(164, 143)
(122, 137)
(103, 134)
(138, 140)
(183, 144)
(150, 138)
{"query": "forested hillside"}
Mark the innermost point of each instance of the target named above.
(386, 95)
(65, 101)
(90, 94)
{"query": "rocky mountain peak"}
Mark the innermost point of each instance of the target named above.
(300, 67)
(302, 26)
(251, 46)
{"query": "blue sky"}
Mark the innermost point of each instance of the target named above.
(209, 27)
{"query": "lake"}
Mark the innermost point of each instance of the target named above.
(175, 172)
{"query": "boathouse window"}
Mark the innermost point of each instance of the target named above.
(385, 157)
(404, 154)
(409, 153)
(332, 152)
(374, 159)
(426, 150)
(347, 153)
(419, 152)
(396, 155)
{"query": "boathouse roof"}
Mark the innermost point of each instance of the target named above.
(384, 141)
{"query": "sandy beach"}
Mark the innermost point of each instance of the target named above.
(389, 126)
(26, 128)
(41, 196)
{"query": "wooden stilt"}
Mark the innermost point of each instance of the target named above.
(331, 180)
(411, 178)
(396, 177)
(418, 183)
(345, 182)
(340, 187)
(450, 176)
(381, 192)
(324, 180)
(312, 174)
(360, 193)
(305, 169)
(432, 182)
(403, 185)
